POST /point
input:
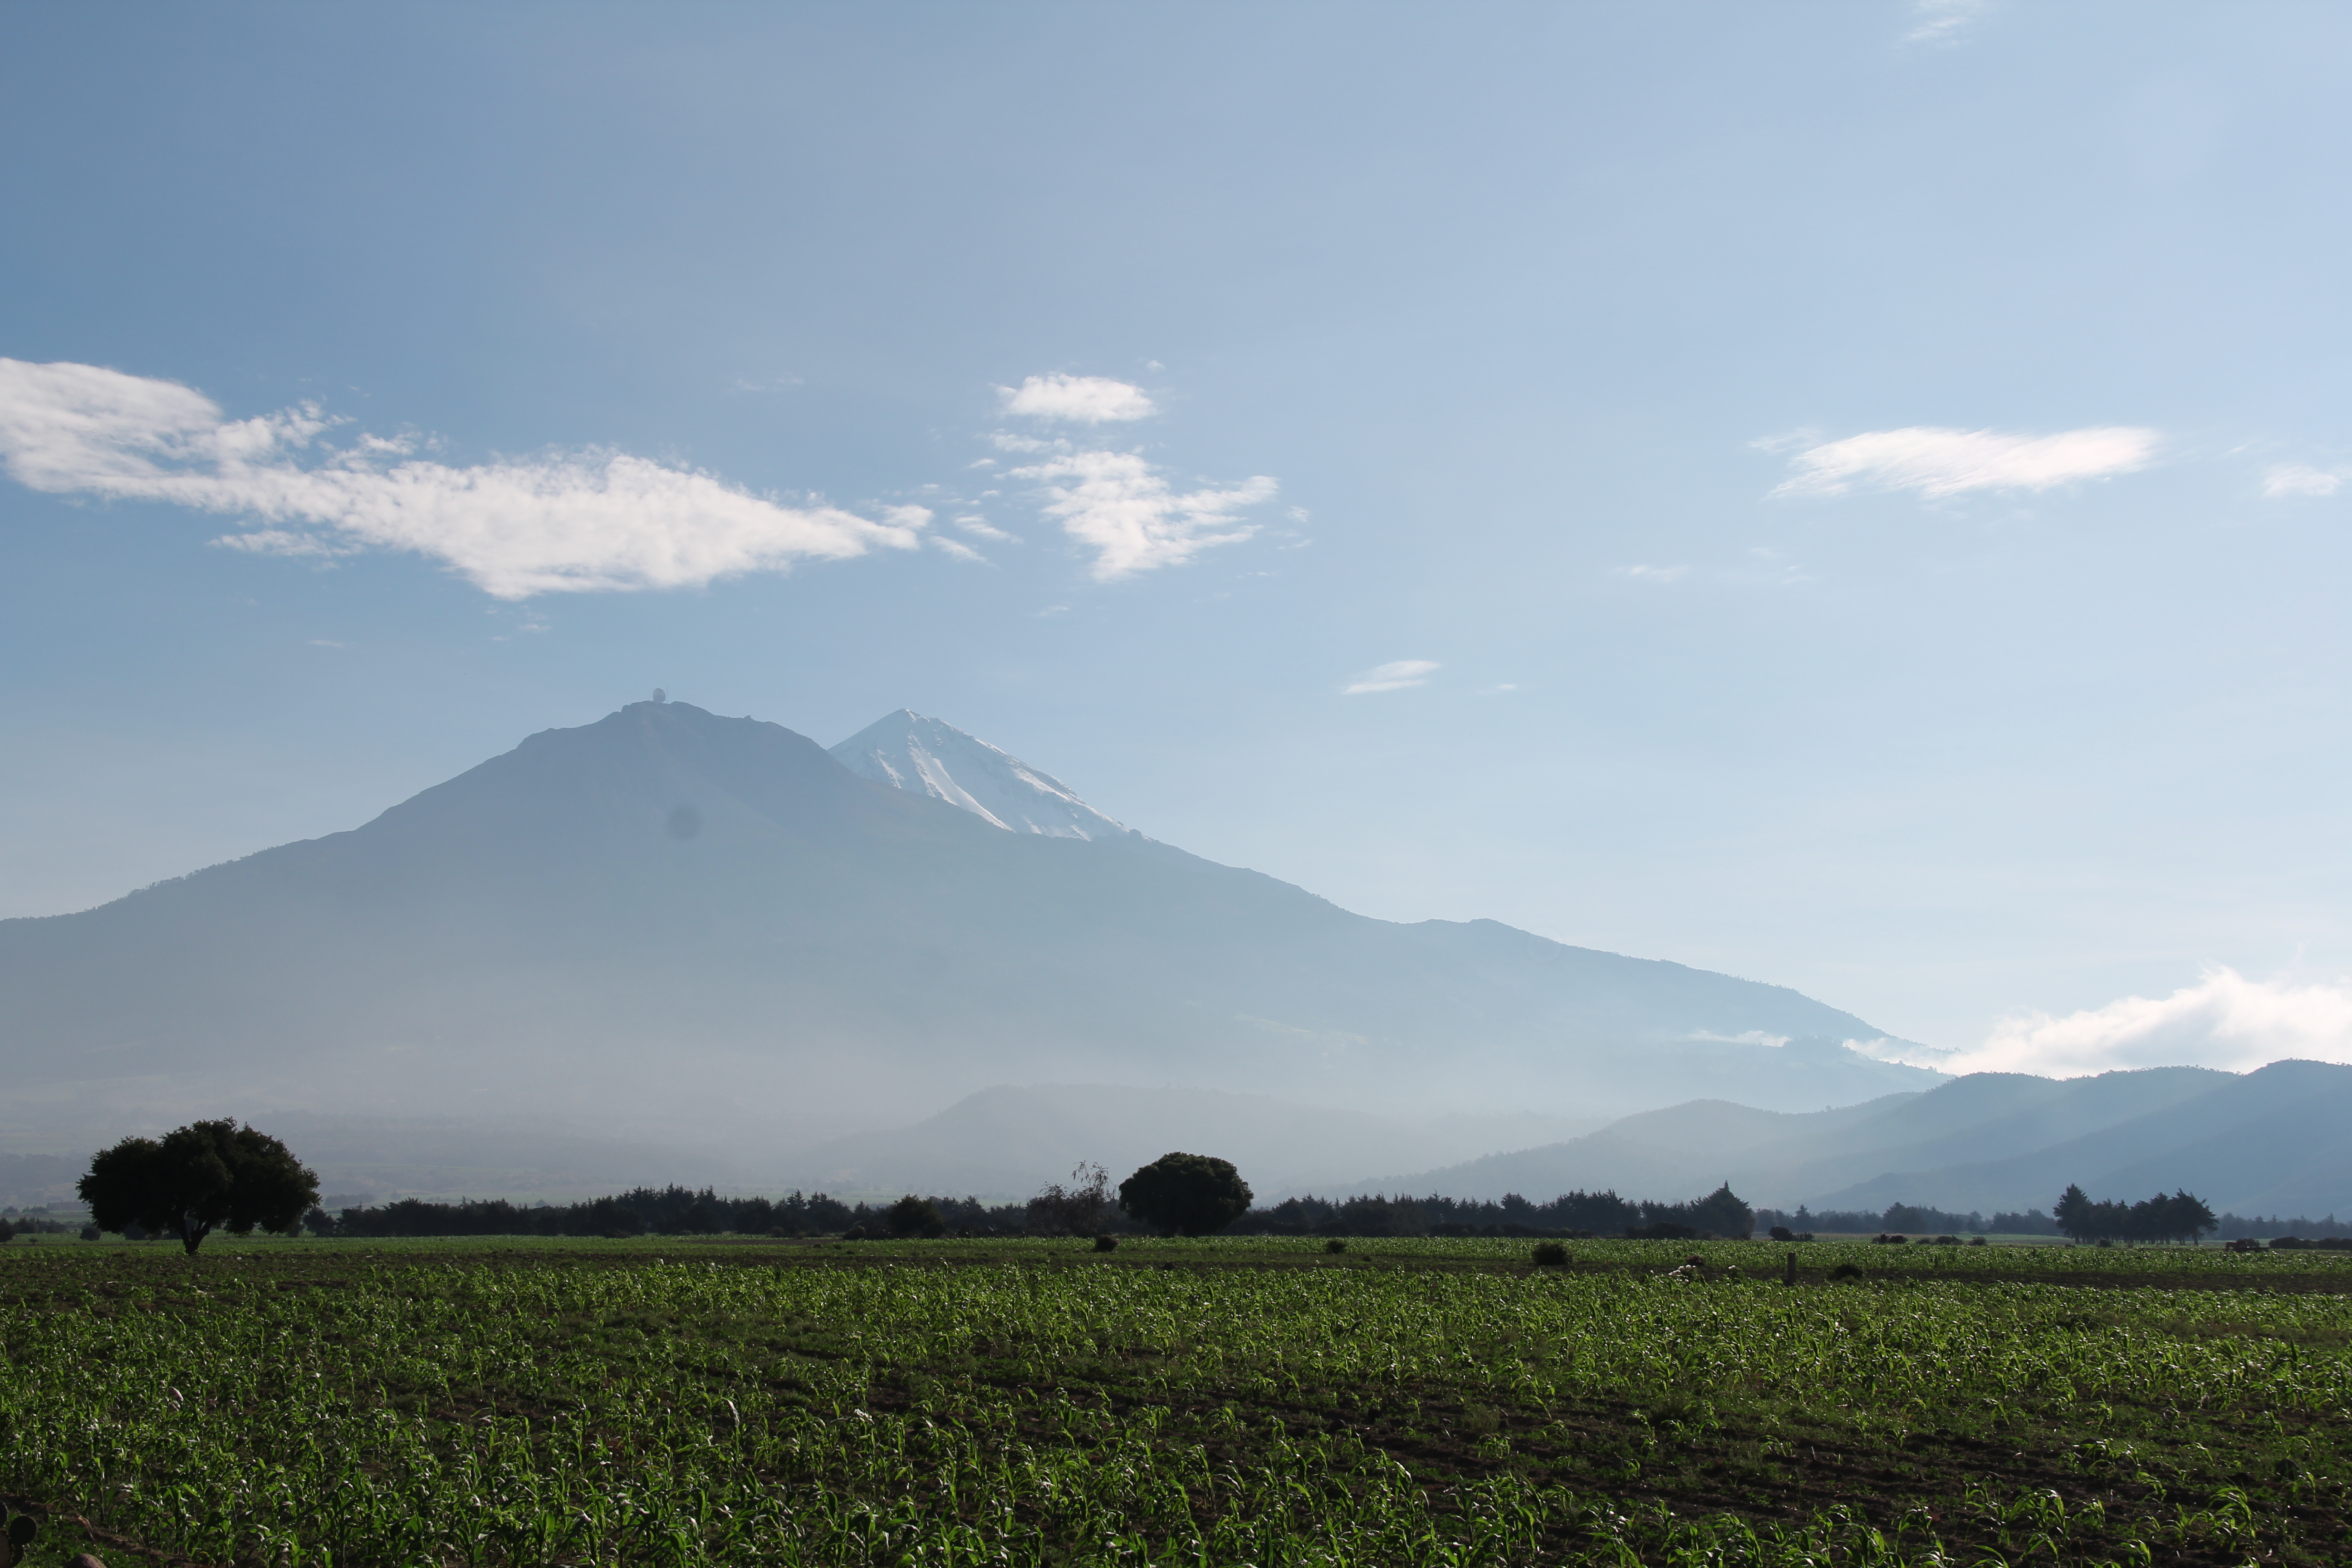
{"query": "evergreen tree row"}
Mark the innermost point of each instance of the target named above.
(2182, 1216)
(1720, 1213)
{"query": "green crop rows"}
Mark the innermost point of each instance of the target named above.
(1406, 1403)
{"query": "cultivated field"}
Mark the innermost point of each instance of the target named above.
(674, 1401)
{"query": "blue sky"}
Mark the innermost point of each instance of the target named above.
(1851, 495)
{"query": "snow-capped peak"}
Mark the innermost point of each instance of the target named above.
(907, 750)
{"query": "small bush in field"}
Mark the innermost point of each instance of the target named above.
(1106, 1243)
(1550, 1252)
(1336, 1244)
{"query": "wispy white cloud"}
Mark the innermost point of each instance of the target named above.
(2225, 1020)
(2295, 479)
(1942, 21)
(1394, 676)
(1939, 462)
(1079, 399)
(571, 523)
(979, 528)
(1120, 507)
(1652, 574)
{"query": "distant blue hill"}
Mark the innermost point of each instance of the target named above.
(2274, 1140)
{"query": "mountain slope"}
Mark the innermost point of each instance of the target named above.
(668, 923)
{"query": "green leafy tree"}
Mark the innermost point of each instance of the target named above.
(197, 1179)
(1186, 1194)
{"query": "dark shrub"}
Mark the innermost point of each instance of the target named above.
(91, 1232)
(1074, 1210)
(1846, 1272)
(1550, 1252)
(1106, 1243)
(1782, 1233)
(1665, 1230)
(1978, 1241)
(1336, 1244)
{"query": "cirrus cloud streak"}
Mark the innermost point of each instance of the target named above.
(2300, 479)
(1397, 674)
(1939, 462)
(573, 522)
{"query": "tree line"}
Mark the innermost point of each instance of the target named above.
(2181, 1216)
(213, 1175)
(1907, 1219)
(221, 1174)
(1082, 1206)
(1570, 1214)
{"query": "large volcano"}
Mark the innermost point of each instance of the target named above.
(669, 920)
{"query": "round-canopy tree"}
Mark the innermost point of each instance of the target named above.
(1190, 1195)
(199, 1177)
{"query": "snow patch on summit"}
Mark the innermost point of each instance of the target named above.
(907, 750)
